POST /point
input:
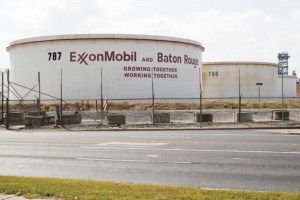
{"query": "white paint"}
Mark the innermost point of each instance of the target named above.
(127, 160)
(131, 144)
(238, 158)
(153, 156)
(194, 150)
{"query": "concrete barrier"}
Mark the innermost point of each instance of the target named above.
(160, 118)
(245, 116)
(206, 117)
(34, 121)
(49, 120)
(36, 113)
(277, 115)
(116, 119)
(39, 120)
(69, 119)
(16, 117)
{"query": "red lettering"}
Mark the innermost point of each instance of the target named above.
(73, 56)
(159, 57)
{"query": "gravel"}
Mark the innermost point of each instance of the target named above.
(141, 119)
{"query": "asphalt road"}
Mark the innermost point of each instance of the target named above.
(223, 159)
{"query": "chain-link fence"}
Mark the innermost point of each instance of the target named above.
(21, 110)
(140, 111)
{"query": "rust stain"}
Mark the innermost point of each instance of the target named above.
(204, 81)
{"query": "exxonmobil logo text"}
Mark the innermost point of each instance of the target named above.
(107, 56)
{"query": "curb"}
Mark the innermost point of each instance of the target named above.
(243, 126)
(183, 129)
(164, 129)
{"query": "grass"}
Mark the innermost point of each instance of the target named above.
(195, 106)
(79, 189)
(167, 105)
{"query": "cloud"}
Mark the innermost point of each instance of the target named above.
(255, 33)
(113, 8)
(226, 36)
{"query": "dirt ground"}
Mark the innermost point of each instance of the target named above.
(222, 119)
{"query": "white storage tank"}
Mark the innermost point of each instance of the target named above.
(289, 86)
(127, 63)
(221, 80)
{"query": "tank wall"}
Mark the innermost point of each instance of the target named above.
(127, 67)
(222, 80)
(289, 86)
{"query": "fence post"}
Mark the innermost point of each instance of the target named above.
(240, 96)
(101, 101)
(152, 98)
(61, 94)
(39, 100)
(2, 99)
(200, 99)
(240, 107)
(282, 105)
(96, 105)
(7, 102)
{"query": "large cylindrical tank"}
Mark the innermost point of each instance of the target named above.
(222, 79)
(128, 63)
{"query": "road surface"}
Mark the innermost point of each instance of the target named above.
(261, 160)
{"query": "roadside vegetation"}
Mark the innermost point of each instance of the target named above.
(218, 104)
(79, 189)
(176, 105)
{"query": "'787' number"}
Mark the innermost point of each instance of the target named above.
(54, 56)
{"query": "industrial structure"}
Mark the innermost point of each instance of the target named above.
(222, 80)
(114, 65)
(283, 63)
(118, 66)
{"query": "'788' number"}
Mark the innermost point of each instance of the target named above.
(54, 56)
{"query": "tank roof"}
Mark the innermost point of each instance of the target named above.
(240, 63)
(103, 36)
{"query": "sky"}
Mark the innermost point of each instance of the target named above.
(230, 30)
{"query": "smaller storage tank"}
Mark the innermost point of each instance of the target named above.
(289, 86)
(221, 80)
